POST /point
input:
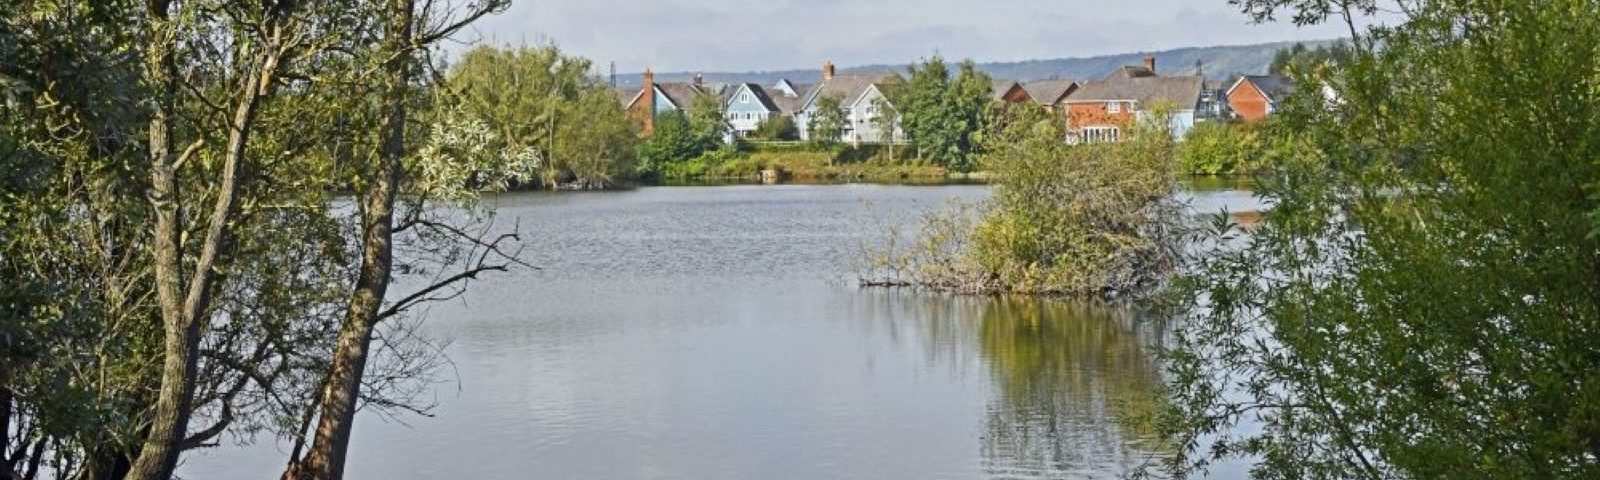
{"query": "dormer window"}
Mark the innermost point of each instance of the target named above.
(1114, 107)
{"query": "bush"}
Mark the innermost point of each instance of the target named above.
(780, 128)
(1087, 220)
(1214, 148)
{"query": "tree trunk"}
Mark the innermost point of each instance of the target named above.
(182, 322)
(159, 455)
(325, 460)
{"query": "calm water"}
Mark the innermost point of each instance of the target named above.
(714, 333)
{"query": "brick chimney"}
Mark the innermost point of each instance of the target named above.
(649, 93)
(1150, 63)
(827, 70)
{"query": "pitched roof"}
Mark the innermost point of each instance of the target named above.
(760, 93)
(1143, 86)
(998, 88)
(789, 105)
(1048, 92)
(683, 94)
(849, 88)
(1275, 87)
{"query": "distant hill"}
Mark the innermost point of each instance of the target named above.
(1219, 62)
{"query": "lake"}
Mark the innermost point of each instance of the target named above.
(716, 333)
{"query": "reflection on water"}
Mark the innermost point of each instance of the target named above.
(704, 333)
(1069, 380)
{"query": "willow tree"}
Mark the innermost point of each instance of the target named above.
(1420, 301)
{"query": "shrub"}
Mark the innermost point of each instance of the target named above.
(1221, 149)
(1088, 220)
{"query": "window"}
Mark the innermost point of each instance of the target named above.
(1101, 134)
(1114, 107)
(744, 97)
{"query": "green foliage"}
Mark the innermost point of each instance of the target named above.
(778, 128)
(1215, 148)
(942, 115)
(1091, 220)
(81, 335)
(538, 102)
(1420, 301)
(676, 148)
(1299, 59)
(827, 124)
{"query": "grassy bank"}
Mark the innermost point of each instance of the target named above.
(806, 162)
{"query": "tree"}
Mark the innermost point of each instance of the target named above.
(941, 115)
(886, 121)
(1215, 148)
(828, 123)
(172, 252)
(1420, 300)
(672, 141)
(779, 128)
(1300, 59)
(536, 98)
(405, 27)
(680, 137)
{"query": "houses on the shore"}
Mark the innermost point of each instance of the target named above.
(1094, 111)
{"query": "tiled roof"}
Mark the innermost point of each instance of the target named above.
(1143, 86)
(998, 88)
(849, 88)
(1048, 92)
(1275, 87)
(683, 94)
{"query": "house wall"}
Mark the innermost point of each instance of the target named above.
(1096, 115)
(1248, 102)
(1085, 115)
(863, 124)
(745, 112)
(663, 104)
(1181, 122)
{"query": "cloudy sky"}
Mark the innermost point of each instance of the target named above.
(742, 35)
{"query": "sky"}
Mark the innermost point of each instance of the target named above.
(757, 35)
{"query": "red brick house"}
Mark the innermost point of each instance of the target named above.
(657, 98)
(1105, 110)
(1051, 94)
(1256, 97)
(1009, 91)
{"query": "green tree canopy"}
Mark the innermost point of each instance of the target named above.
(942, 114)
(539, 99)
(1420, 301)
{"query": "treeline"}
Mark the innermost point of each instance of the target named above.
(202, 207)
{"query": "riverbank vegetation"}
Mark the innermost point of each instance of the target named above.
(1221, 148)
(1082, 220)
(1420, 302)
(539, 100)
(205, 203)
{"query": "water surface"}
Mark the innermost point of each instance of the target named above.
(714, 333)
